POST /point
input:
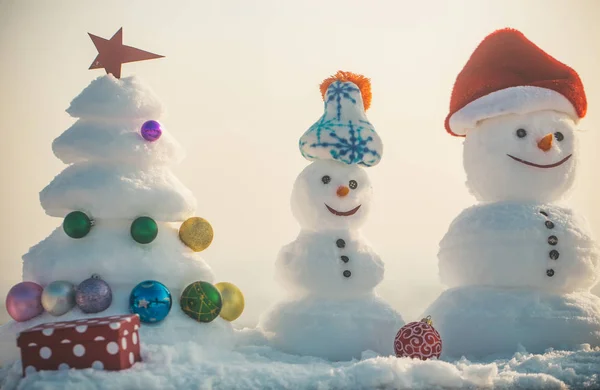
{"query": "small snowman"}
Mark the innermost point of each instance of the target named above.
(330, 270)
(519, 266)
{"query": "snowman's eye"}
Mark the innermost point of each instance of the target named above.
(353, 184)
(559, 136)
(521, 133)
(325, 179)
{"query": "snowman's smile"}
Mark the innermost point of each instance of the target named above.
(343, 213)
(540, 165)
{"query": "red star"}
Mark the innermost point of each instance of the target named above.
(112, 53)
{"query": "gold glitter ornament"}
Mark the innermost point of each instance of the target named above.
(233, 301)
(196, 233)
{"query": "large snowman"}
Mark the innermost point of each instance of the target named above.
(519, 266)
(330, 270)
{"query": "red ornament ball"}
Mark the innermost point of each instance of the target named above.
(418, 340)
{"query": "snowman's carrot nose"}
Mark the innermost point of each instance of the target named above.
(546, 143)
(342, 191)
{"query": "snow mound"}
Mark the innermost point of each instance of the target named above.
(254, 365)
(114, 191)
(478, 321)
(475, 249)
(333, 329)
(115, 142)
(108, 98)
(109, 251)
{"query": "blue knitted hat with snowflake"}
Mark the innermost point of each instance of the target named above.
(344, 133)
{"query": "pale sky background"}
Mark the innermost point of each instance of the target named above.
(240, 83)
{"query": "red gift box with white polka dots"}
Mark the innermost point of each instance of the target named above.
(105, 343)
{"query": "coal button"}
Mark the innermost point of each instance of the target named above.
(544, 213)
(550, 272)
(552, 240)
(550, 224)
(340, 243)
(347, 273)
(554, 254)
(345, 259)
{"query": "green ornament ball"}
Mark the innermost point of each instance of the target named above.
(77, 224)
(144, 230)
(201, 301)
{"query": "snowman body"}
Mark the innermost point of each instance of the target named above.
(330, 272)
(519, 266)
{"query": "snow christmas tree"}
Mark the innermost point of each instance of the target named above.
(330, 269)
(519, 266)
(121, 207)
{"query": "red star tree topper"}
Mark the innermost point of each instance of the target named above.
(112, 53)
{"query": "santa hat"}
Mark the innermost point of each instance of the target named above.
(508, 74)
(344, 133)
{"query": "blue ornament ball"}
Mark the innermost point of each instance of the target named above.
(151, 300)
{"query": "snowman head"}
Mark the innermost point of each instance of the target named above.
(527, 157)
(330, 195)
(518, 108)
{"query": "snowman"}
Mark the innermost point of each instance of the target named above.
(330, 270)
(519, 266)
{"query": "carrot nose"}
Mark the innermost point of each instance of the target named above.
(342, 191)
(546, 143)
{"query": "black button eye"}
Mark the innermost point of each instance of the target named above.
(353, 184)
(521, 133)
(559, 136)
(325, 179)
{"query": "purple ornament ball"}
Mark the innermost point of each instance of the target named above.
(24, 301)
(93, 295)
(151, 131)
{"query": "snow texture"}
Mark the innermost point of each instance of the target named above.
(475, 250)
(477, 321)
(108, 98)
(493, 176)
(94, 140)
(330, 271)
(343, 133)
(253, 364)
(115, 191)
(333, 329)
(520, 267)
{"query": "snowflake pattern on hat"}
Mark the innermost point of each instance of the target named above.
(343, 133)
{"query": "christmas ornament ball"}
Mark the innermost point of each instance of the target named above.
(151, 300)
(144, 230)
(24, 301)
(233, 301)
(93, 295)
(77, 224)
(58, 297)
(201, 301)
(196, 233)
(151, 130)
(418, 340)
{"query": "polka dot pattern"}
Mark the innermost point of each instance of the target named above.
(79, 350)
(112, 348)
(104, 343)
(45, 353)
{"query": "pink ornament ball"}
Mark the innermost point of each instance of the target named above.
(418, 340)
(151, 131)
(24, 301)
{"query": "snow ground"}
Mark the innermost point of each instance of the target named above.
(255, 365)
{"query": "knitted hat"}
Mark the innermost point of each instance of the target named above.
(508, 74)
(344, 133)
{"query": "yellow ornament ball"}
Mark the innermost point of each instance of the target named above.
(196, 233)
(233, 301)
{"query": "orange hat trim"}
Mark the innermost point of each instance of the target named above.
(363, 84)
